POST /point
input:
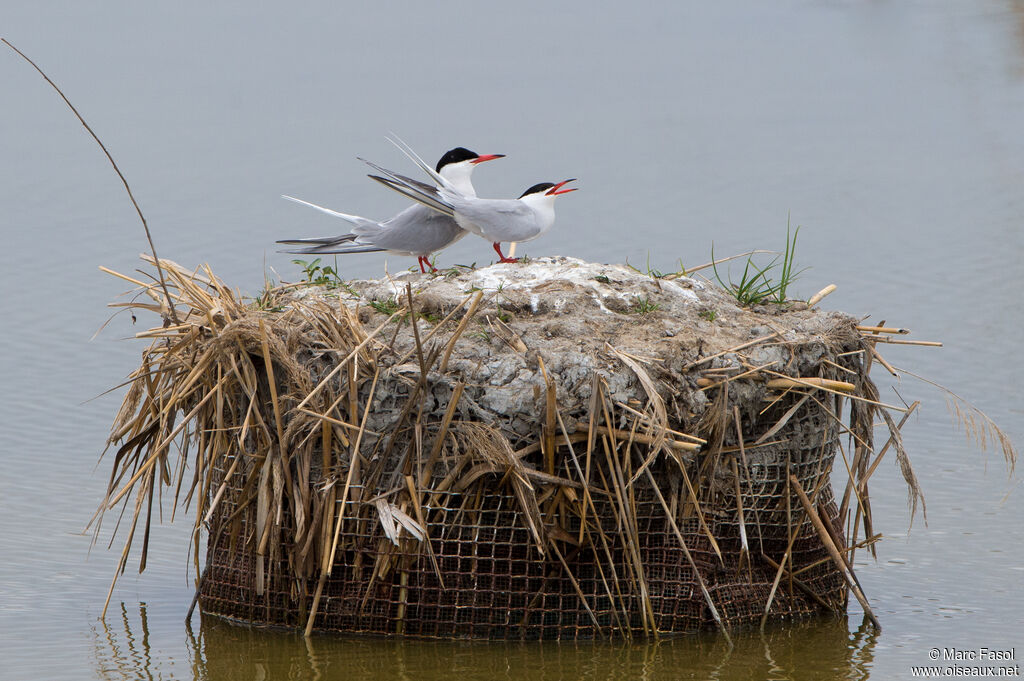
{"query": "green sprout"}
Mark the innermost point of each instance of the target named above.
(757, 283)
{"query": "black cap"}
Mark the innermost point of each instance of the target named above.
(538, 188)
(456, 155)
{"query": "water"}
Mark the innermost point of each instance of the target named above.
(890, 131)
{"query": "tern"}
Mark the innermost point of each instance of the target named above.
(417, 230)
(497, 220)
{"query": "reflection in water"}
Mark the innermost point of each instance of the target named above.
(123, 651)
(819, 649)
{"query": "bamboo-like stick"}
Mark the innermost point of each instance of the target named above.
(707, 383)
(896, 341)
(147, 288)
(840, 367)
(816, 298)
(505, 333)
(403, 599)
(353, 394)
(744, 546)
(265, 341)
(338, 422)
(576, 436)
(463, 323)
(788, 558)
(689, 557)
(576, 585)
(348, 479)
(220, 490)
(646, 417)
(883, 329)
(417, 507)
(316, 602)
(639, 437)
(700, 514)
(810, 382)
(803, 587)
(739, 439)
(548, 432)
(830, 546)
(881, 360)
(779, 573)
(848, 551)
(842, 393)
(596, 384)
(698, 268)
(781, 423)
(784, 383)
(442, 433)
(741, 346)
(526, 474)
(165, 331)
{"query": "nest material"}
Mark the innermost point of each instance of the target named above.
(508, 452)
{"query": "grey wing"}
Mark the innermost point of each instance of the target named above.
(500, 219)
(336, 247)
(435, 197)
(319, 240)
(417, 230)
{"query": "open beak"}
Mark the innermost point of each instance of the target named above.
(554, 191)
(486, 157)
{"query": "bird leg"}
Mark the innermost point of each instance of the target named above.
(424, 260)
(497, 247)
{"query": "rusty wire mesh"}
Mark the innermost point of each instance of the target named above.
(494, 583)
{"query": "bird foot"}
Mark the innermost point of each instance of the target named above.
(502, 258)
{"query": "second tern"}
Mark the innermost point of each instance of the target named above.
(417, 230)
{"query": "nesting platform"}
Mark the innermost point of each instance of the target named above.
(548, 450)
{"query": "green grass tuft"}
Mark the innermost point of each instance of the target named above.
(758, 284)
(645, 306)
(385, 307)
(320, 275)
(708, 315)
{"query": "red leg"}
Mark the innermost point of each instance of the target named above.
(497, 247)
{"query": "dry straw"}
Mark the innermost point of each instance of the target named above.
(258, 419)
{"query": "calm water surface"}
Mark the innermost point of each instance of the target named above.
(892, 132)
